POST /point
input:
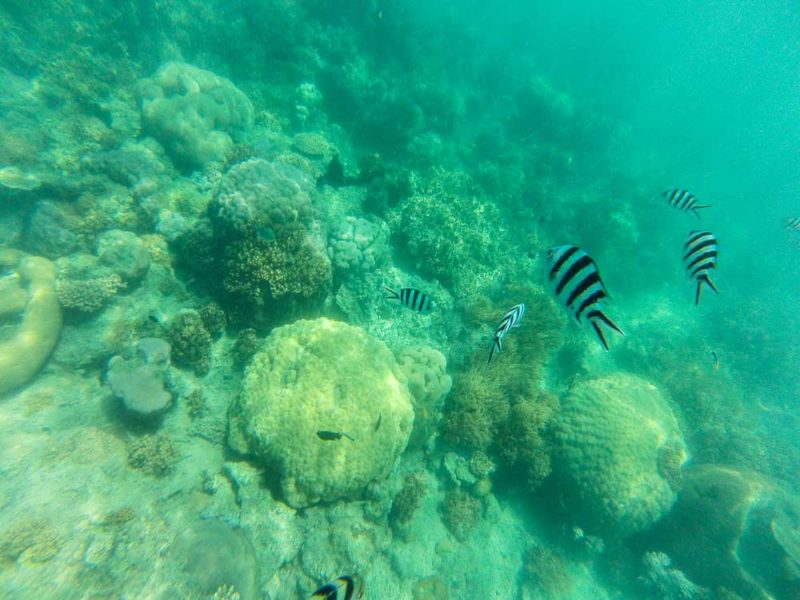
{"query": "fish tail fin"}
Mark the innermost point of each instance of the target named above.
(598, 315)
(496, 347)
(699, 206)
(700, 281)
(393, 294)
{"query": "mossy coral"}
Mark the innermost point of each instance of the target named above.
(190, 341)
(408, 500)
(461, 512)
(246, 345)
(153, 454)
(256, 271)
(88, 295)
(545, 571)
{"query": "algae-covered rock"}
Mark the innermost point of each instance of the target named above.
(617, 447)
(24, 353)
(319, 376)
(193, 112)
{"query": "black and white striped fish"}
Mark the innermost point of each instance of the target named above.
(792, 224)
(351, 587)
(510, 320)
(577, 284)
(700, 257)
(683, 200)
(411, 298)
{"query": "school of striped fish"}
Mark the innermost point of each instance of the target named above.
(575, 280)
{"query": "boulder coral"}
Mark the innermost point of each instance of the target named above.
(311, 381)
(27, 349)
(261, 196)
(614, 436)
(428, 381)
(356, 245)
(193, 112)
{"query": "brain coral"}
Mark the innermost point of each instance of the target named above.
(259, 195)
(357, 245)
(617, 449)
(322, 376)
(193, 112)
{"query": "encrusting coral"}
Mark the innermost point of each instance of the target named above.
(24, 353)
(325, 408)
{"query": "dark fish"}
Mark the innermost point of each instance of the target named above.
(510, 319)
(683, 200)
(378, 422)
(700, 257)
(715, 360)
(329, 436)
(411, 298)
(576, 282)
(350, 584)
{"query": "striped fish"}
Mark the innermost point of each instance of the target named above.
(411, 298)
(683, 200)
(792, 224)
(700, 257)
(510, 320)
(577, 284)
(350, 584)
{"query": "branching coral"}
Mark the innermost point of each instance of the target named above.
(190, 341)
(153, 454)
(256, 271)
(88, 295)
(213, 318)
(447, 229)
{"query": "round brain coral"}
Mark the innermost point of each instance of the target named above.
(311, 381)
(610, 445)
(258, 195)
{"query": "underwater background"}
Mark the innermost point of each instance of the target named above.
(254, 256)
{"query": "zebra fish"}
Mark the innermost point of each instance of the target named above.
(792, 224)
(411, 298)
(510, 320)
(351, 586)
(683, 200)
(700, 257)
(577, 284)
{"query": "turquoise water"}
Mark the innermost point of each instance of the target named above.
(207, 390)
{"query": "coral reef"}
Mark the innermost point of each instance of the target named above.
(246, 345)
(190, 341)
(523, 444)
(31, 539)
(426, 372)
(50, 231)
(356, 245)
(138, 382)
(213, 318)
(154, 455)
(124, 253)
(610, 436)
(448, 230)
(322, 376)
(545, 571)
(257, 271)
(24, 353)
(461, 513)
(193, 112)
(408, 500)
(87, 295)
(666, 582)
(258, 196)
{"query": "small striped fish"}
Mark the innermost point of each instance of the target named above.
(683, 200)
(411, 298)
(700, 257)
(351, 585)
(577, 284)
(792, 224)
(510, 320)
